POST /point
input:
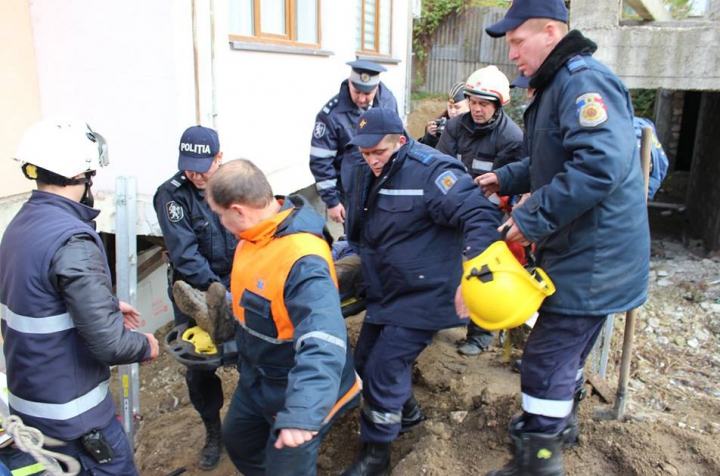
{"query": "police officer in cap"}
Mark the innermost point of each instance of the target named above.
(201, 252)
(335, 127)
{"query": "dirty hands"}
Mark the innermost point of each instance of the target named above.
(337, 213)
(460, 307)
(292, 437)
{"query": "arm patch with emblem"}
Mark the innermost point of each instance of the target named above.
(445, 181)
(591, 110)
(175, 212)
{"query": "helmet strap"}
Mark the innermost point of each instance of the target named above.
(87, 198)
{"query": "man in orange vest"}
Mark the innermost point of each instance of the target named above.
(296, 371)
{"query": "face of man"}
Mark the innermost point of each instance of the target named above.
(376, 157)
(361, 99)
(455, 109)
(231, 218)
(530, 44)
(481, 110)
(200, 179)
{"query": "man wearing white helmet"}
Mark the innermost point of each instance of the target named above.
(63, 327)
(483, 139)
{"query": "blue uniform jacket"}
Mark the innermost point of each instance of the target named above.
(297, 383)
(485, 148)
(200, 248)
(587, 212)
(334, 128)
(411, 227)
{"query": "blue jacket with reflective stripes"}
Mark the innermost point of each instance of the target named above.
(334, 128)
(411, 226)
(61, 324)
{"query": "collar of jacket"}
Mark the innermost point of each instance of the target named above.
(467, 122)
(76, 209)
(264, 231)
(574, 43)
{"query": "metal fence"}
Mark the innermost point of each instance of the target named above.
(460, 46)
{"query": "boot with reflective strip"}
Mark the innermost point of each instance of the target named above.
(374, 461)
(571, 431)
(536, 454)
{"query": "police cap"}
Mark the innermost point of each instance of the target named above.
(521, 81)
(198, 148)
(522, 10)
(365, 75)
(374, 124)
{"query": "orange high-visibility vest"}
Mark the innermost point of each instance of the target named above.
(263, 262)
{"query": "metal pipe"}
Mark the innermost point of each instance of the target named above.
(196, 62)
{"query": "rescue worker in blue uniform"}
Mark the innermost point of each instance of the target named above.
(201, 252)
(335, 126)
(296, 372)
(483, 139)
(62, 326)
(586, 214)
(413, 214)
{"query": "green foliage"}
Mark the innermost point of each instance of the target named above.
(644, 102)
(434, 12)
(420, 95)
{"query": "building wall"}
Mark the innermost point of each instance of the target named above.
(20, 100)
(128, 69)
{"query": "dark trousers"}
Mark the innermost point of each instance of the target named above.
(122, 462)
(204, 387)
(384, 358)
(250, 442)
(557, 347)
(476, 334)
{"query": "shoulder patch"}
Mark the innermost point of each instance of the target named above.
(445, 181)
(319, 130)
(576, 63)
(175, 212)
(591, 110)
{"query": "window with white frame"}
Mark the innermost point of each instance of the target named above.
(285, 22)
(373, 27)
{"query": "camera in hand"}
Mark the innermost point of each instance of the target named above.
(440, 123)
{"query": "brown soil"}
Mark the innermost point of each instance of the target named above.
(674, 398)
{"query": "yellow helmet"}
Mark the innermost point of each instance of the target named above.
(499, 292)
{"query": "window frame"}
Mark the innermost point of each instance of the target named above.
(290, 27)
(376, 51)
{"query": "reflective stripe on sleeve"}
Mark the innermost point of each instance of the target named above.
(322, 153)
(322, 336)
(36, 325)
(550, 408)
(326, 184)
(401, 192)
(61, 411)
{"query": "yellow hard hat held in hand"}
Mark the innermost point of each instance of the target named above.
(499, 292)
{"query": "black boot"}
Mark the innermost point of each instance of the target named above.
(374, 461)
(412, 415)
(572, 436)
(572, 430)
(210, 454)
(537, 454)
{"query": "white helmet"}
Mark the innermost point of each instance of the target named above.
(63, 146)
(489, 83)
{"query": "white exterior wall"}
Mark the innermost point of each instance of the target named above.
(127, 68)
